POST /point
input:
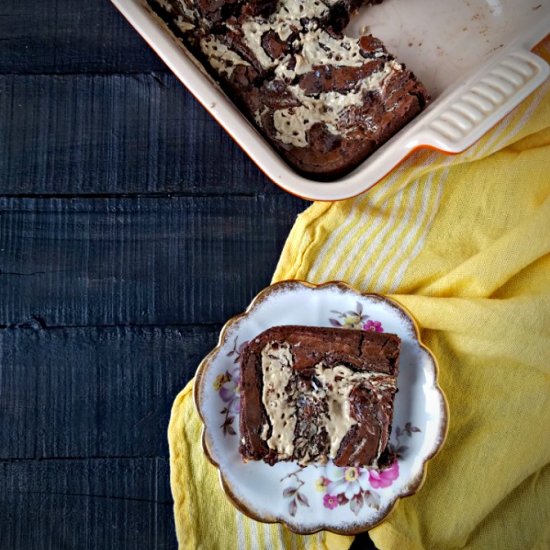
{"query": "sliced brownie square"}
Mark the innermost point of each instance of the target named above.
(311, 394)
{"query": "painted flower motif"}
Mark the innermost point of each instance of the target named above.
(227, 385)
(349, 319)
(321, 484)
(347, 486)
(373, 326)
(330, 501)
(293, 493)
(385, 478)
(229, 388)
(349, 481)
(342, 499)
(221, 379)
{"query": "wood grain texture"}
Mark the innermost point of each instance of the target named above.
(113, 134)
(146, 261)
(93, 392)
(103, 395)
(86, 504)
(70, 36)
(88, 112)
(91, 504)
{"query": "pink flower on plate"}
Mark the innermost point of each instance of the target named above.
(330, 501)
(373, 326)
(385, 478)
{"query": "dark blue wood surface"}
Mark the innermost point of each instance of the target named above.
(131, 228)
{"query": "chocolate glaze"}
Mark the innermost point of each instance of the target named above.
(371, 402)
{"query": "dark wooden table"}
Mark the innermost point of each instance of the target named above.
(131, 228)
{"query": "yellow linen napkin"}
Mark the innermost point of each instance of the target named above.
(204, 518)
(463, 242)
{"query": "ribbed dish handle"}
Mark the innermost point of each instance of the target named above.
(465, 114)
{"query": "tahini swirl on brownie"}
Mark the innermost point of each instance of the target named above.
(323, 99)
(331, 384)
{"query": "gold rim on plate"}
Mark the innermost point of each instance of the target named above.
(414, 485)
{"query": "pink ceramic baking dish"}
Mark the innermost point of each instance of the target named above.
(473, 56)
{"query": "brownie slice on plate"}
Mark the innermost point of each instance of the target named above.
(311, 394)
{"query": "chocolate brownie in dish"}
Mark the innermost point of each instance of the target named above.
(311, 394)
(324, 100)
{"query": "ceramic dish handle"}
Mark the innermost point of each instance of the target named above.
(481, 101)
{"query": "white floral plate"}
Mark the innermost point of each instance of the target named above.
(316, 497)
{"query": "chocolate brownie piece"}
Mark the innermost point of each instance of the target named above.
(217, 11)
(351, 97)
(182, 18)
(325, 101)
(311, 394)
(342, 10)
(208, 13)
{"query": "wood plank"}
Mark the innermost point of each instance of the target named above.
(91, 503)
(113, 134)
(91, 392)
(143, 261)
(84, 504)
(67, 36)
